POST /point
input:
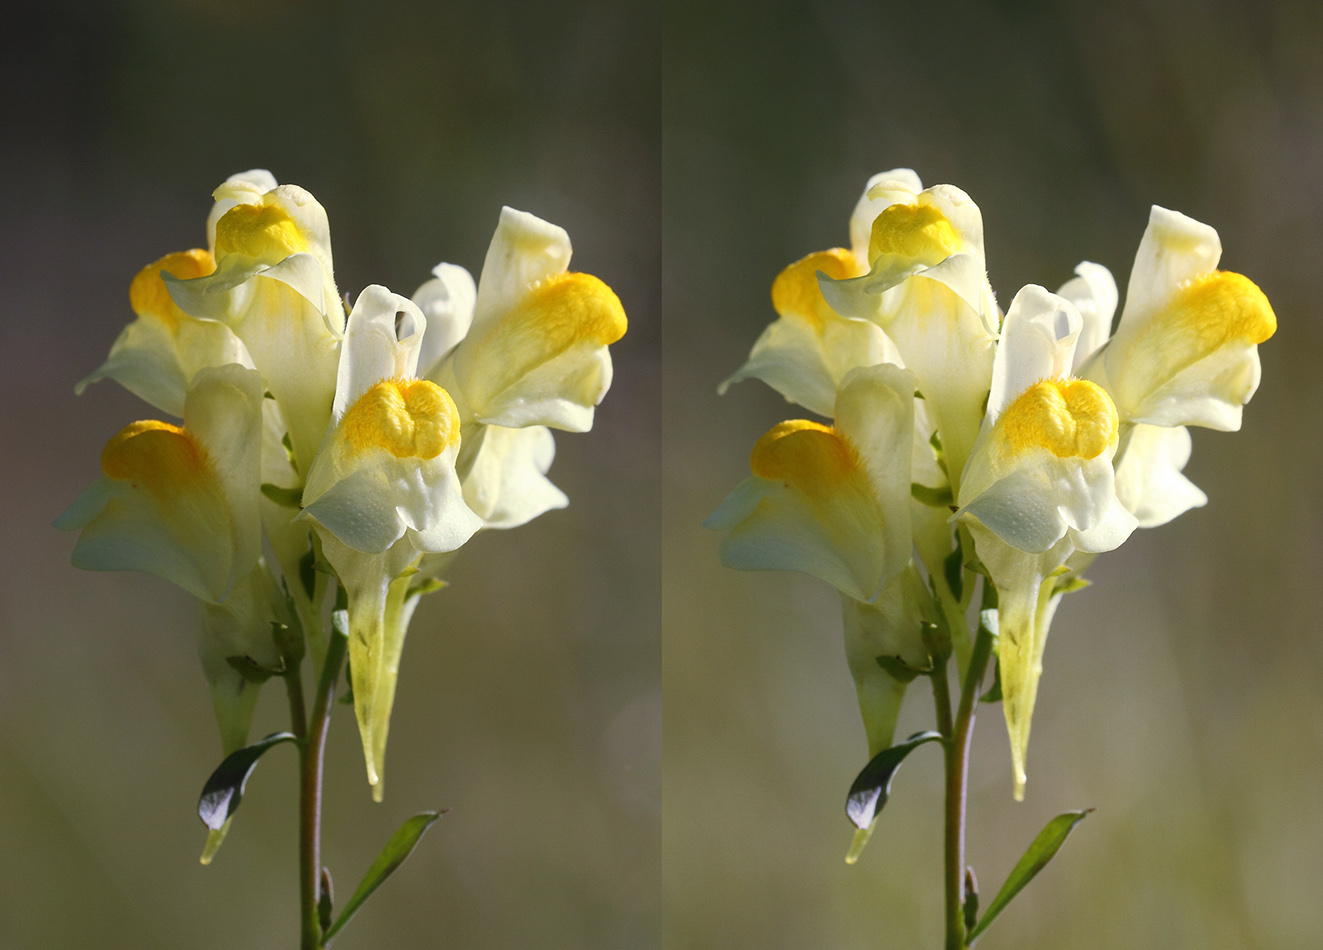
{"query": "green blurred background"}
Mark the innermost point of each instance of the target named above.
(529, 700)
(1183, 693)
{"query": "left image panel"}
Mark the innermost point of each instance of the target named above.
(332, 362)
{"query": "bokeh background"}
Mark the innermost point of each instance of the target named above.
(1183, 692)
(529, 700)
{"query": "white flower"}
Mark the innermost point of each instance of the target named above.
(831, 501)
(927, 287)
(1186, 349)
(273, 286)
(383, 490)
(1039, 486)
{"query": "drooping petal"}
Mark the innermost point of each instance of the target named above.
(827, 501)
(1148, 476)
(158, 354)
(506, 485)
(536, 353)
(180, 502)
(806, 353)
(1186, 348)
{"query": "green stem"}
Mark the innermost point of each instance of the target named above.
(955, 932)
(957, 780)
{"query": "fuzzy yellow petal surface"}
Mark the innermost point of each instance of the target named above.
(147, 293)
(918, 232)
(409, 418)
(805, 455)
(261, 231)
(1071, 418)
(156, 455)
(796, 291)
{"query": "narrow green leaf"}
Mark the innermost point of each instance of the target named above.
(285, 497)
(224, 790)
(399, 847)
(1070, 584)
(429, 585)
(932, 497)
(1044, 848)
(872, 788)
(288, 445)
(253, 671)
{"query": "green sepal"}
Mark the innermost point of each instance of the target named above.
(285, 497)
(325, 900)
(993, 695)
(857, 843)
(970, 907)
(900, 671)
(224, 789)
(935, 443)
(288, 445)
(399, 848)
(1071, 584)
(932, 497)
(252, 671)
(426, 586)
(1043, 849)
(871, 789)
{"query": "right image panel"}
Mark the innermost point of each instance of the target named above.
(991, 482)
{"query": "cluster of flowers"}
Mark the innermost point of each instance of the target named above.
(1017, 445)
(371, 444)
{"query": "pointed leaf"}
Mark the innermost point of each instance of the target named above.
(954, 569)
(251, 670)
(399, 847)
(325, 900)
(224, 790)
(872, 788)
(285, 497)
(971, 899)
(1043, 849)
(932, 497)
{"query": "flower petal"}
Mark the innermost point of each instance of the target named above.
(506, 485)
(1148, 476)
(447, 303)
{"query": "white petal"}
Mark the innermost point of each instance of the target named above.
(1094, 295)
(383, 337)
(507, 485)
(447, 303)
(1037, 342)
(1148, 476)
(898, 186)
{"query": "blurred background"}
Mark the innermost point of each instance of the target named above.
(1183, 692)
(529, 701)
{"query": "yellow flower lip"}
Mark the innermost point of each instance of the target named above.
(409, 418)
(916, 232)
(1220, 308)
(796, 291)
(807, 455)
(156, 455)
(147, 293)
(1071, 418)
(262, 231)
(574, 308)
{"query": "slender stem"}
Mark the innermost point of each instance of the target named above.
(308, 925)
(310, 801)
(957, 785)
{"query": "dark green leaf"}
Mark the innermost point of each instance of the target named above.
(872, 788)
(224, 790)
(285, 497)
(932, 497)
(954, 569)
(325, 900)
(253, 671)
(971, 899)
(1043, 849)
(399, 847)
(901, 671)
